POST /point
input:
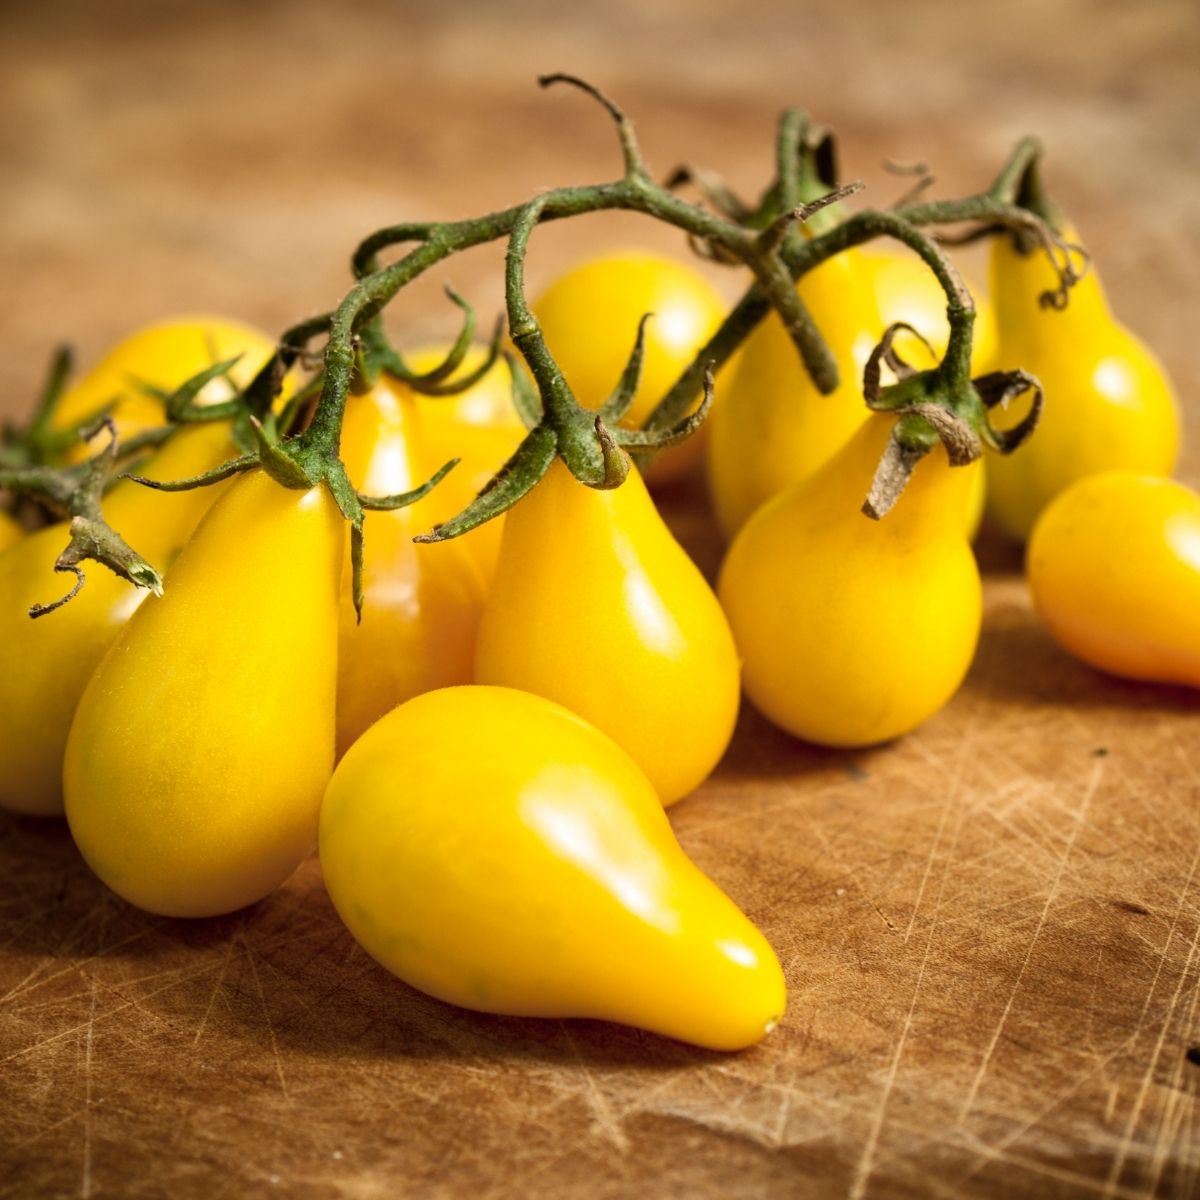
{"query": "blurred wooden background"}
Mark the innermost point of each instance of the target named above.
(988, 928)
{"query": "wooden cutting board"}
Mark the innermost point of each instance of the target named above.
(991, 929)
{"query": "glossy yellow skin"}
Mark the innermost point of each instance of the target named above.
(45, 664)
(855, 631)
(164, 355)
(480, 427)
(772, 427)
(589, 318)
(1109, 404)
(202, 746)
(1114, 566)
(907, 290)
(535, 875)
(10, 531)
(596, 606)
(421, 604)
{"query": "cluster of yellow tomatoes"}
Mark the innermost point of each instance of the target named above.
(518, 706)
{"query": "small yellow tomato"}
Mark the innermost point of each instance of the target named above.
(45, 663)
(10, 530)
(1109, 404)
(907, 290)
(478, 426)
(773, 427)
(596, 606)
(1114, 566)
(589, 318)
(202, 746)
(421, 604)
(854, 631)
(163, 355)
(500, 853)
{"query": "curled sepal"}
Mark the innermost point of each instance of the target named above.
(615, 460)
(617, 405)
(998, 388)
(892, 475)
(885, 354)
(660, 439)
(180, 405)
(453, 387)
(92, 538)
(518, 476)
(404, 499)
(396, 366)
(235, 466)
(526, 399)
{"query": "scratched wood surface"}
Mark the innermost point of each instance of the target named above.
(991, 929)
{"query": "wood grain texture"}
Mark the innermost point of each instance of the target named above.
(991, 929)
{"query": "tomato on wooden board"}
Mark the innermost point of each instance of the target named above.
(201, 748)
(854, 631)
(45, 663)
(1109, 404)
(498, 852)
(596, 606)
(1114, 567)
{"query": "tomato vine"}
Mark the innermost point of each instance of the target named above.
(299, 445)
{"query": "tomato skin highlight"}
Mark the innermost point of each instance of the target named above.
(1114, 567)
(1108, 402)
(535, 875)
(421, 604)
(200, 750)
(854, 631)
(597, 607)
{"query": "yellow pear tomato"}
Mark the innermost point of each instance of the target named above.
(421, 604)
(1114, 566)
(589, 317)
(907, 290)
(773, 427)
(163, 355)
(500, 853)
(596, 606)
(45, 663)
(854, 631)
(1109, 404)
(202, 746)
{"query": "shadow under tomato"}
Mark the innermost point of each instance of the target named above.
(763, 751)
(291, 976)
(1018, 662)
